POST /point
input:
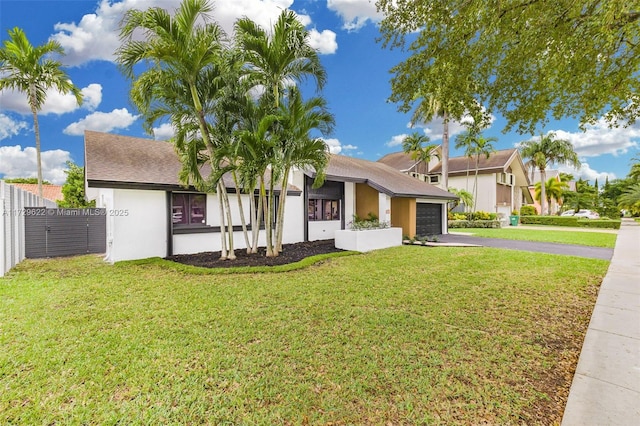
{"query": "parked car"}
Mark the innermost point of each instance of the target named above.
(587, 214)
(568, 213)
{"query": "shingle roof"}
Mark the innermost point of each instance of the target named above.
(49, 192)
(399, 161)
(125, 161)
(498, 161)
(382, 177)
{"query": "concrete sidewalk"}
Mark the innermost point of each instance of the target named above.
(606, 385)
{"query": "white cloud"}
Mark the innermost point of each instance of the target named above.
(55, 103)
(349, 147)
(586, 172)
(164, 132)
(599, 139)
(96, 35)
(335, 147)
(396, 140)
(10, 127)
(435, 127)
(355, 13)
(324, 42)
(16, 162)
(101, 122)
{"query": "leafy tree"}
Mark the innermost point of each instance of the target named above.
(28, 69)
(524, 59)
(73, 188)
(32, 181)
(418, 147)
(546, 151)
(582, 198)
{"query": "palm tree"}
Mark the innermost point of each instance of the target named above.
(273, 61)
(27, 69)
(184, 54)
(466, 140)
(554, 190)
(414, 144)
(630, 199)
(430, 107)
(465, 197)
(546, 151)
(480, 146)
(298, 118)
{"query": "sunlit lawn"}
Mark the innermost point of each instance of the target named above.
(595, 239)
(401, 336)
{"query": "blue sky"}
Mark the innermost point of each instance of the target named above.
(343, 31)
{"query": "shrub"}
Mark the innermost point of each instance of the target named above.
(371, 222)
(569, 221)
(481, 215)
(515, 212)
(458, 216)
(474, 224)
(528, 211)
(600, 223)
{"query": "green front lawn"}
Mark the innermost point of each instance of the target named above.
(402, 336)
(594, 239)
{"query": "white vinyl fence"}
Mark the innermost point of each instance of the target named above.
(12, 212)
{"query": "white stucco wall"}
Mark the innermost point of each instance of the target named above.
(323, 229)
(136, 222)
(210, 241)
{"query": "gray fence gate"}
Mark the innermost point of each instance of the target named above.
(64, 232)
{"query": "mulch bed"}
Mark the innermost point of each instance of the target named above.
(290, 253)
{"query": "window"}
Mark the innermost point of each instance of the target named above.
(189, 209)
(323, 210)
(434, 179)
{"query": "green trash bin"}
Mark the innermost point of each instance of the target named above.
(514, 220)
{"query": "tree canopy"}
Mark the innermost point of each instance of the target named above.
(527, 60)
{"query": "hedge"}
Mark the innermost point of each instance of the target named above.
(569, 221)
(474, 224)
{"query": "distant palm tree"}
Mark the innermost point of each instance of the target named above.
(466, 198)
(554, 190)
(465, 140)
(480, 146)
(27, 69)
(545, 151)
(430, 107)
(414, 145)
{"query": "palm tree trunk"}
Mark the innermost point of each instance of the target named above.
(227, 207)
(243, 221)
(36, 129)
(223, 240)
(280, 216)
(475, 185)
(255, 227)
(445, 151)
(543, 191)
(268, 219)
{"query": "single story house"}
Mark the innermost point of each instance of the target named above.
(502, 178)
(150, 214)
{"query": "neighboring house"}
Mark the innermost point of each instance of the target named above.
(49, 192)
(502, 179)
(150, 214)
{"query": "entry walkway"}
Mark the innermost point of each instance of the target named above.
(606, 385)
